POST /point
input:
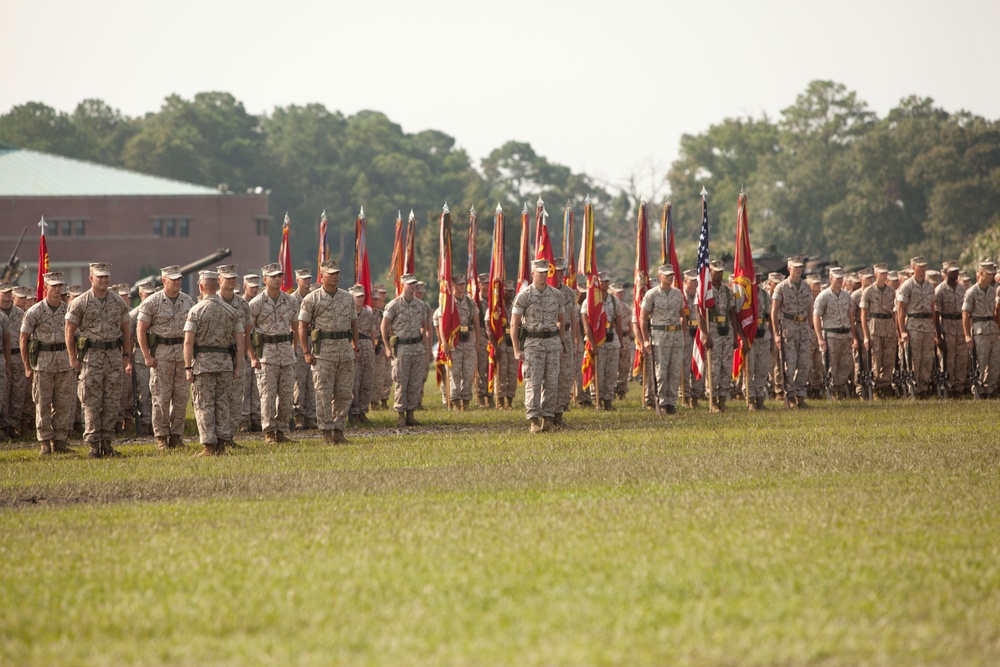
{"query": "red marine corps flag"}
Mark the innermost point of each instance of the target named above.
(285, 258)
(43, 260)
(705, 296)
(641, 277)
(496, 313)
(744, 287)
(594, 302)
(543, 249)
(396, 265)
(450, 323)
(362, 274)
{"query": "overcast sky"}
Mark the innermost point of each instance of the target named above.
(634, 75)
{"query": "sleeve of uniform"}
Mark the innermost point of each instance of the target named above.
(191, 323)
(124, 319)
(778, 291)
(520, 303)
(969, 301)
(903, 295)
(28, 323)
(306, 311)
(74, 313)
(146, 309)
(819, 306)
(863, 303)
(255, 305)
(390, 311)
(647, 303)
(237, 323)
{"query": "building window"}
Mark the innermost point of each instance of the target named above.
(169, 229)
(182, 227)
(65, 227)
(157, 227)
(53, 228)
(262, 226)
(171, 226)
(78, 228)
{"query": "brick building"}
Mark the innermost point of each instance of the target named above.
(135, 221)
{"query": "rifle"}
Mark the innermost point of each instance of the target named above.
(909, 378)
(940, 375)
(974, 382)
(827, 374)
(656, 387)
(866, 379)
(898, 385)
(136, 410)
(784, 374)
(10, 272)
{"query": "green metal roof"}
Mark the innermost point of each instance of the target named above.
(28, 173)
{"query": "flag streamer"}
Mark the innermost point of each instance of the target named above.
(594, 302)
(285, 258)
(641, 277)
(496, 314)
(43, 260)
(362, 274)
(744, 287)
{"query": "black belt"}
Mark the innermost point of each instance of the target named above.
(409, 341)
(541, 334)
(108, 345)
(837, 330)
(988, 318)
(760, 333)
(15, 350)
(49, 347)
(199, 349)
(364, 337)
(950, 316)
(919, 316)
(169, 341)
(664, 327)
(283, 338)
(334, 335)
(794, 318)
(881, 316)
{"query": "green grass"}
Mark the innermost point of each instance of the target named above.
(847, 534)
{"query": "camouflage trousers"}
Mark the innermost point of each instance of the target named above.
(541, 376)
(482, 366)
(100, 393)
(606, 372)
(251, 393)
(722, 364)
(841, 361)
(625, 356)
(304, 396)
(276, 384)
(884, 350)
(235, 396)
(27, 407)
(408, 374)
(922, 355)
(758, 365)
(364, 378)
(956, 362)
(463, 370)
(669, 361)
(505, 375)
(145, 400)
(168, 388)
(54, 396)
(988, 360)
(798, 356)
(334, 383)
(13, 404)
(211, 395)
(565, 374)
(816, 369)
(581, 394)
(383, 371)
(693, 388)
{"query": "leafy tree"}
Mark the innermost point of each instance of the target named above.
(42, 128)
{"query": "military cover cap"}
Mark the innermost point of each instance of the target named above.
(560, 263)
(540, 265)
(251, 280)
(100, 268)
(459, 279)
(813, 278)
(835, 272)
(208, 274)
(931, 273)
(303, 273)
(356, 290)
(421, 284)
(796, 260)
(408, 279)
(72, 290)
(867, 273)
(881, 267)
(962, 275)
(581, 283)
(54, 278)
(508, 285)
(123, 288)
(949, 266)
(666, 270)
(918, 261)
(603, 276)
(237, 291)
(314, 287)
(617, 288)
(483, 277)
(173, 272)
(272, 269)
(228, 271)
(6, 287)
(854, 278)
(378, 287)
(381, 290)
(988, 266)
(776, 277)
(690, 274)
(330, 266)
(893, 275)
(716, 265)
(21, 292)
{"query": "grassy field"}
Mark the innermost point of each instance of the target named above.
(844, 535)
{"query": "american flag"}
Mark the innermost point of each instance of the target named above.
(705, 296)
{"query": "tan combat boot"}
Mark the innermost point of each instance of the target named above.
(95, 451)
(535, 425)
(410, 419)
(271, 437)
(162, 443)
(207, 450)
(281, 437)
(61, 447)
(339, 439)
(465, 405)
(300, 422)
(176, 441)
(557, 421)
(760, 403)
(109, 452)
(244, 426)
(714, 405)
(401, 419)
(363, 419)
(44, 447)
(722, 403)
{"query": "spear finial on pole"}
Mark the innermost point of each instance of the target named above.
(704, 192)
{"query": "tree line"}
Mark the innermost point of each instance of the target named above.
(826, 177)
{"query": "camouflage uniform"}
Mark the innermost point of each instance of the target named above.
(694, 388)
(879, 304)
(463, 354)
(607, 353)
(4, 330)
(721, 332)
(794, 303)
(540, 311)
(238, 390)
(981, 305)
(626, 353)
(333, 373)
(13, 403)
(141, 373)
(505, 375)
(759, 359)
(482, 357)
(383, 373)
(666, 314)
(213, 323)
(101, 377)
(304, 395)
(836, 311)
(948, 301)
(919, 300)
(364, 367)
(53, 382)
(567, 356)
(272, 319)
(168, 385)
(409, 363)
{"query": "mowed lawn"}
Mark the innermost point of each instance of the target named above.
(847, 534)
